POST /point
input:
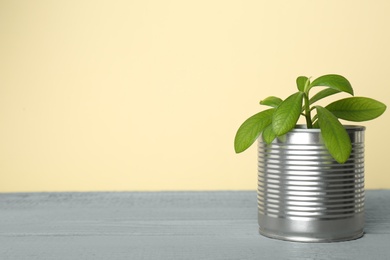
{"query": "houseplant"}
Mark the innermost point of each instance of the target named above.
(310, 177)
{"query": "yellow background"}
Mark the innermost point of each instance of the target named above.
(148, 95)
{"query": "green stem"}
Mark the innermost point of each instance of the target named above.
(309, 123)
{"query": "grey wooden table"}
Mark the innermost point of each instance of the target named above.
(165, 225)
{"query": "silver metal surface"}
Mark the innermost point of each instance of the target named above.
(304, 194)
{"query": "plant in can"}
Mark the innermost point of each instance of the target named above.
(283, 115)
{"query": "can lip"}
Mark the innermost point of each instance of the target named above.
(303, 128)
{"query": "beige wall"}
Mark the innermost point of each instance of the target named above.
(147, 95)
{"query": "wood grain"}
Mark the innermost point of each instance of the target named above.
(165, 225)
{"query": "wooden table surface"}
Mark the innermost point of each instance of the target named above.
(165, 225)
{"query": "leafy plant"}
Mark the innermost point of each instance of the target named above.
(283, 115)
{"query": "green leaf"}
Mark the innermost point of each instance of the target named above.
(271, 101)
(323, 94)
(250, 130)
(268, 134)
(336, 138)
(301, 83)
(357, 109)
(287, 114)
(334, 81)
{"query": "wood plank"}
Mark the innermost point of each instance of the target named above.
(165, 225)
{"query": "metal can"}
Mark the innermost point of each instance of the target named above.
(304, 194)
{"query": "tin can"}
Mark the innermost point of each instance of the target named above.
(304, 195)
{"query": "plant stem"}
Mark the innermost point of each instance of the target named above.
(309, 123)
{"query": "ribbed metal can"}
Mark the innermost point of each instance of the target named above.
(304, 194)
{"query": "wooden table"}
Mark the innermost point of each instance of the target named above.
(165, 225)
